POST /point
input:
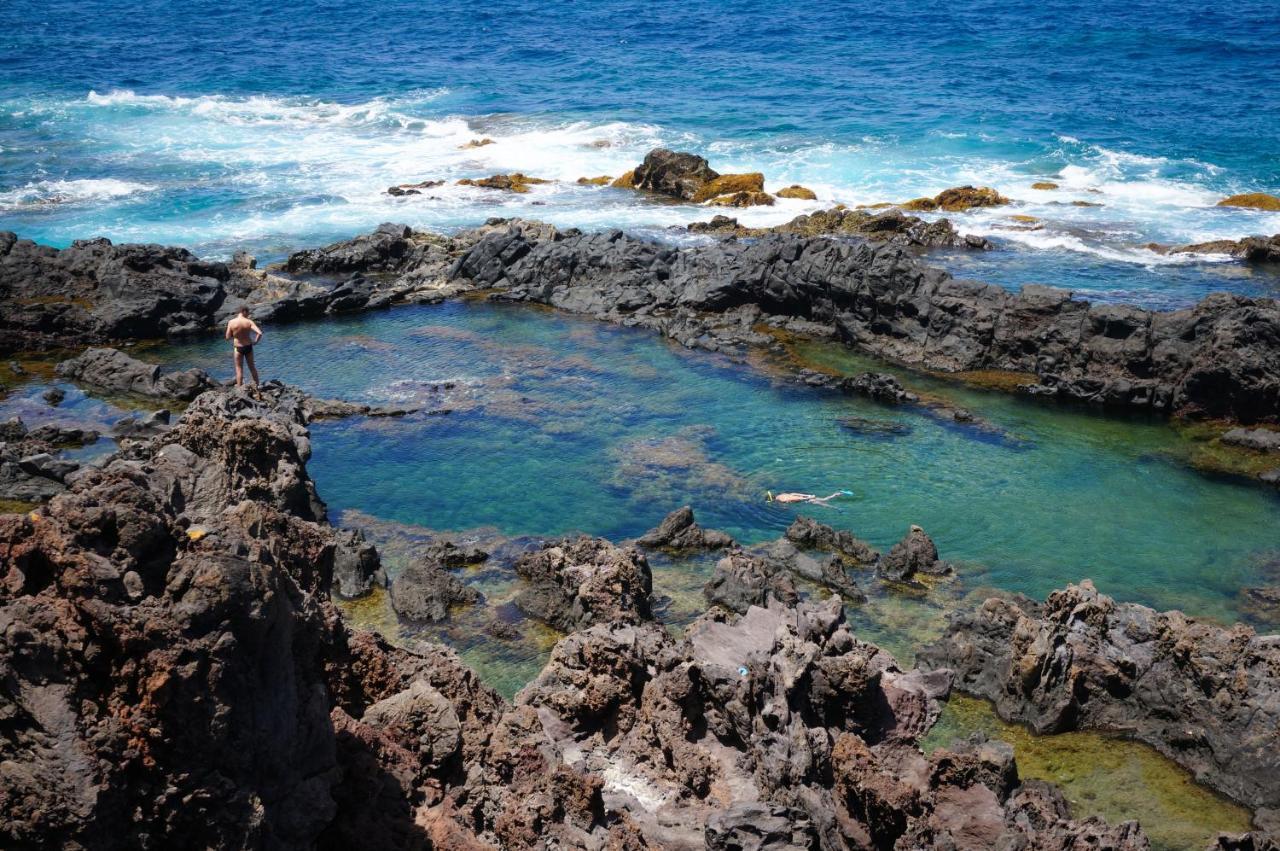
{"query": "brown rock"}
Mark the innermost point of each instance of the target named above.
(967, 197)
(920, 205)
(729, 184)
(514, 182)
(677, 174)
(1252, 200)
(743, 199)
(626, 181)
(476, 143)
(602, 180)
(795, 190)
(1045, 185)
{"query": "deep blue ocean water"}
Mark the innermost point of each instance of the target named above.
(226, 125)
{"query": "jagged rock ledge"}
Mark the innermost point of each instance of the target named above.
(1206, 696)
(173, 667)
(1220, 358)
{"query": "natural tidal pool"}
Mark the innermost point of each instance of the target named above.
(560, 424)
(1103, 776)
(538, 424)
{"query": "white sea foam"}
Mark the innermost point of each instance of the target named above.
(50, 192)
(297, 170)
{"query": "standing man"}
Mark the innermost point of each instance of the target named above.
(244, 334)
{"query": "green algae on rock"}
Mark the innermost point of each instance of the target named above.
(1103, 776)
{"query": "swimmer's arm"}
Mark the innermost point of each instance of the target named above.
(228, 334)
(254, 327)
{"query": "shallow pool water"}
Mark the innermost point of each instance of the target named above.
(536, 424)
(562, 424)
(1103, 776)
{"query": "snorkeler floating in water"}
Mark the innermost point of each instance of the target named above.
(804, 497)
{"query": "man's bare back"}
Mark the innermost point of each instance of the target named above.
(244, 334)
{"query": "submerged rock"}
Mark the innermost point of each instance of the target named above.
(113, 370)
(413, 188)
(1205, 696)
(679, 531)
(1257, 439)
(880, 386)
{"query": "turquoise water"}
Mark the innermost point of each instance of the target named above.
(229, 125)
(561, 424)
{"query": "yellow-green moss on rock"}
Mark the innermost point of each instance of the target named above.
(477, 143)
(920, 205)
(1252, 200)
(960, 198)
(602, 180)
(795, 190)
(626, 181)
(730, 184)
(1045, 185)
(1103, 776)
(514, 182)
(744, 199)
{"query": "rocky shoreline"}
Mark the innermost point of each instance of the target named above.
(1203, 695)
(1219, 359)
(174, 667)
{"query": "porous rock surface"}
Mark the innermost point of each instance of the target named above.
(1206, 696)
(173, 673)
(679, 531)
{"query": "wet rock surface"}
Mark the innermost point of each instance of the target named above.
(173, 666)
(1206, 696)
(1257, 439)
(581, 581)
(114, 371)
(679, 531)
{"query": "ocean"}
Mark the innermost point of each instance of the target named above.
(229, 125)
